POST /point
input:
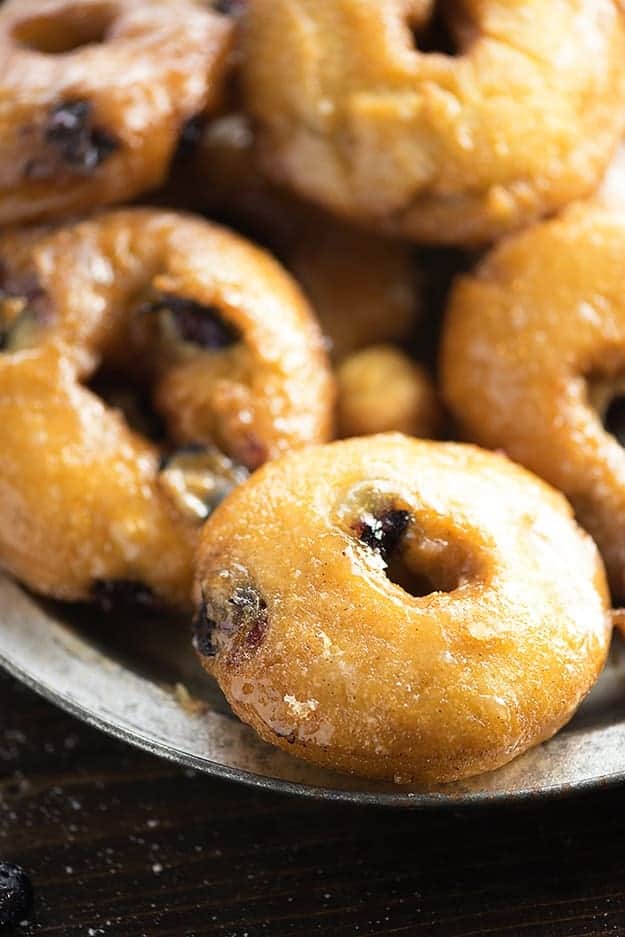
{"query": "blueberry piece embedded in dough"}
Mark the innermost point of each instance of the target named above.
(382, 532)
(240, 623)
(203, 629)
(249, 615)
(193, 322)
(72, 143)
(198, 477)
(24, 311)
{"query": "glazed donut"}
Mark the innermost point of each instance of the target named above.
(361, 112)
(533, 362)
(400, 609)
(380, 390)
(232, 357)
(96, 94)
(364, 288)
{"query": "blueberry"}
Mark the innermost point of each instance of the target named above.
(195, 323)
(382, 532)
(24, 310)
(203, 628)
(244, 618)
(198, 477)
(16, 894)
(249, 614)
(77, 145)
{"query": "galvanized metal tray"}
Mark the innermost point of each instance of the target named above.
(141, 683)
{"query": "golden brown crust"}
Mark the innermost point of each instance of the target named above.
(533, 355)
(381, 390)
(96, 93)
(453, 149)
(503, 631)
(212, 324)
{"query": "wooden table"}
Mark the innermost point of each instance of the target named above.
(119, 844)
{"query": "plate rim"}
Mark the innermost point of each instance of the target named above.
(402, 799)
(68, 655)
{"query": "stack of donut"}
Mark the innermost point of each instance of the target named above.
(271, 272)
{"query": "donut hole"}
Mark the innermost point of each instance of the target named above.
(131, 398)
(418, 583)
(421, 565)
(607, 397)
(434, 35)
(614, 418)
(66, 30)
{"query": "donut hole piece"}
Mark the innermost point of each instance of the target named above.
(67, 29)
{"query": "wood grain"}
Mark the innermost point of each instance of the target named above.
(119, 844)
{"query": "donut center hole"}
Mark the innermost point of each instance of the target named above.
(415, 582)
(65, 30)
(607, 397)
(418, 564)
(434, 35)
(614, 418)
(131, 399)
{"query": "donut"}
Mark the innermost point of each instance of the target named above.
(206, 325)
(533, 362)
(381, 389)
(400, 609)
(364, 288)
(97, 93)
(444, 123)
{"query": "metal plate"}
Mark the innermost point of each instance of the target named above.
(120, 675)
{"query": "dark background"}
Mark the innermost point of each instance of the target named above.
(119, 844)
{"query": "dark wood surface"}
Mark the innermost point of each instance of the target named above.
(119, 844)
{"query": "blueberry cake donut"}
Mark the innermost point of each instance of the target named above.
(533, 362)
(447, 123)
(400, 609)
(96, 94)
(97, 495)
